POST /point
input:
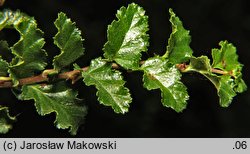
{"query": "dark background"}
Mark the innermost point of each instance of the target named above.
(209, 21)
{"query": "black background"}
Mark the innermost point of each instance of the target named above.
(209, 21)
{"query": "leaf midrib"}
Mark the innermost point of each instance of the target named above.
(162, 87)
(108, 92)
(123, 39)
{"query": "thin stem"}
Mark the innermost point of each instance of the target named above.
(74, 76)
(184, 66)
(220, 72)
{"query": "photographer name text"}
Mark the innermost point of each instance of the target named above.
(50, 145)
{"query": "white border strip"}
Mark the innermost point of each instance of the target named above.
(125, 145)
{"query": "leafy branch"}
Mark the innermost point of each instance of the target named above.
(75, 75)
(26, 75)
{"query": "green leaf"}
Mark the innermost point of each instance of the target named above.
(3, 67)
(225, 91)
(4, 47)
(225, 72)
(110, 85)
(226, 85)
(8, 18)
(199, 64)
(127, 37)
(159, 74)
(58, 98)
(69, 40)
(29, 55)
(178, 49)
(226, 59)
(6, 120)
(240, 85)
(225, 88)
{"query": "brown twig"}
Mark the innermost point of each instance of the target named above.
(71, 75)
(74, 75)
(220, 72)
(181, 67)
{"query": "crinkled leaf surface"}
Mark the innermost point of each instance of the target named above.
(69, 40)
(28, 52)
(6, 120)
(127, 37)
(225, 88)
(159, 74)
(226, 91)
(240, 85)
(110, 85)
(3, 67)
(178, 49)
(58, 98)
(199, 64)
(226, 59)
(4, 47)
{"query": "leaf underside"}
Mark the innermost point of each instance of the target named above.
(6, 120)
(58, 98)
(110, 85)
(127, 37)
(159, 74)
(69, 40)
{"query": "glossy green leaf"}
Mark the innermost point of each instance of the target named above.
(225, 72)
(240, 85)
(226, 59)
(6, 120)
(58, 98)
(225, 91)
(159, 74)
(110, 85)
(127, 37)
(225, 88)
(69, 40)
(178, 49)
(10, 18)
(29, 55)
